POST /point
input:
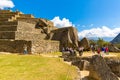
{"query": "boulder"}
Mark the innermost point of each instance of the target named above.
(85, 43)
(67, 36)
(99, 70)
(81, 64)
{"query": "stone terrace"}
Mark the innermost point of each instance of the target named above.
(17, 29)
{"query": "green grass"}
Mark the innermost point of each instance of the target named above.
(54, 54)
(34, 67)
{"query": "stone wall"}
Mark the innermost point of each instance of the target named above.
(8, 28)
(27, 31)
(7, 35)
(16, 46)
(45, 46)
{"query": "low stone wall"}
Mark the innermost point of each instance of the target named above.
(45, 46)
(15, 46)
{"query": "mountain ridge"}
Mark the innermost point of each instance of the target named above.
(116, 39)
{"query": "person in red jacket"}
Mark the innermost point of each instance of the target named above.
(106, 50)
(98, 50)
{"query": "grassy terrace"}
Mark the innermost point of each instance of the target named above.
(35, 67)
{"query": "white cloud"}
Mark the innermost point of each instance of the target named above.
(6, 3)
(104, 31)
(61, 23)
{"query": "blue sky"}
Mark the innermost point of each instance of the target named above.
(92, 18)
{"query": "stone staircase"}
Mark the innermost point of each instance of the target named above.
(18, 29)
(7, 15)
(8, 28)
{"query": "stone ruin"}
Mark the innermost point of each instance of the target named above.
(99, 68)
(40, 35)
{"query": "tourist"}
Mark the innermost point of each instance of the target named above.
(98, 51)
(25, 49)
(72, 52)
(103, 51)
(106, 50)
(80, 49)
(63, 49)
(93, 49)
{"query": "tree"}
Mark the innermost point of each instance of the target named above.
(101, 42)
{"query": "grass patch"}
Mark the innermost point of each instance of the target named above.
(34, 67)
(54, 54)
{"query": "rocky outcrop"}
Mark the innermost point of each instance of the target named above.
(107, 68)
(100, 70)
(85, 43)
(114, 64)
(116, 39)
(113, 48)
(67, 36)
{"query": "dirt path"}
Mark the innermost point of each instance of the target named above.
(87, 54)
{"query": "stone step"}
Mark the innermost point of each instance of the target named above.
(10, 13)
(8, 28)
(5, 11)
(26, 16)
(9, 23)
(19, 18)
(4, 19)
(7, 34)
